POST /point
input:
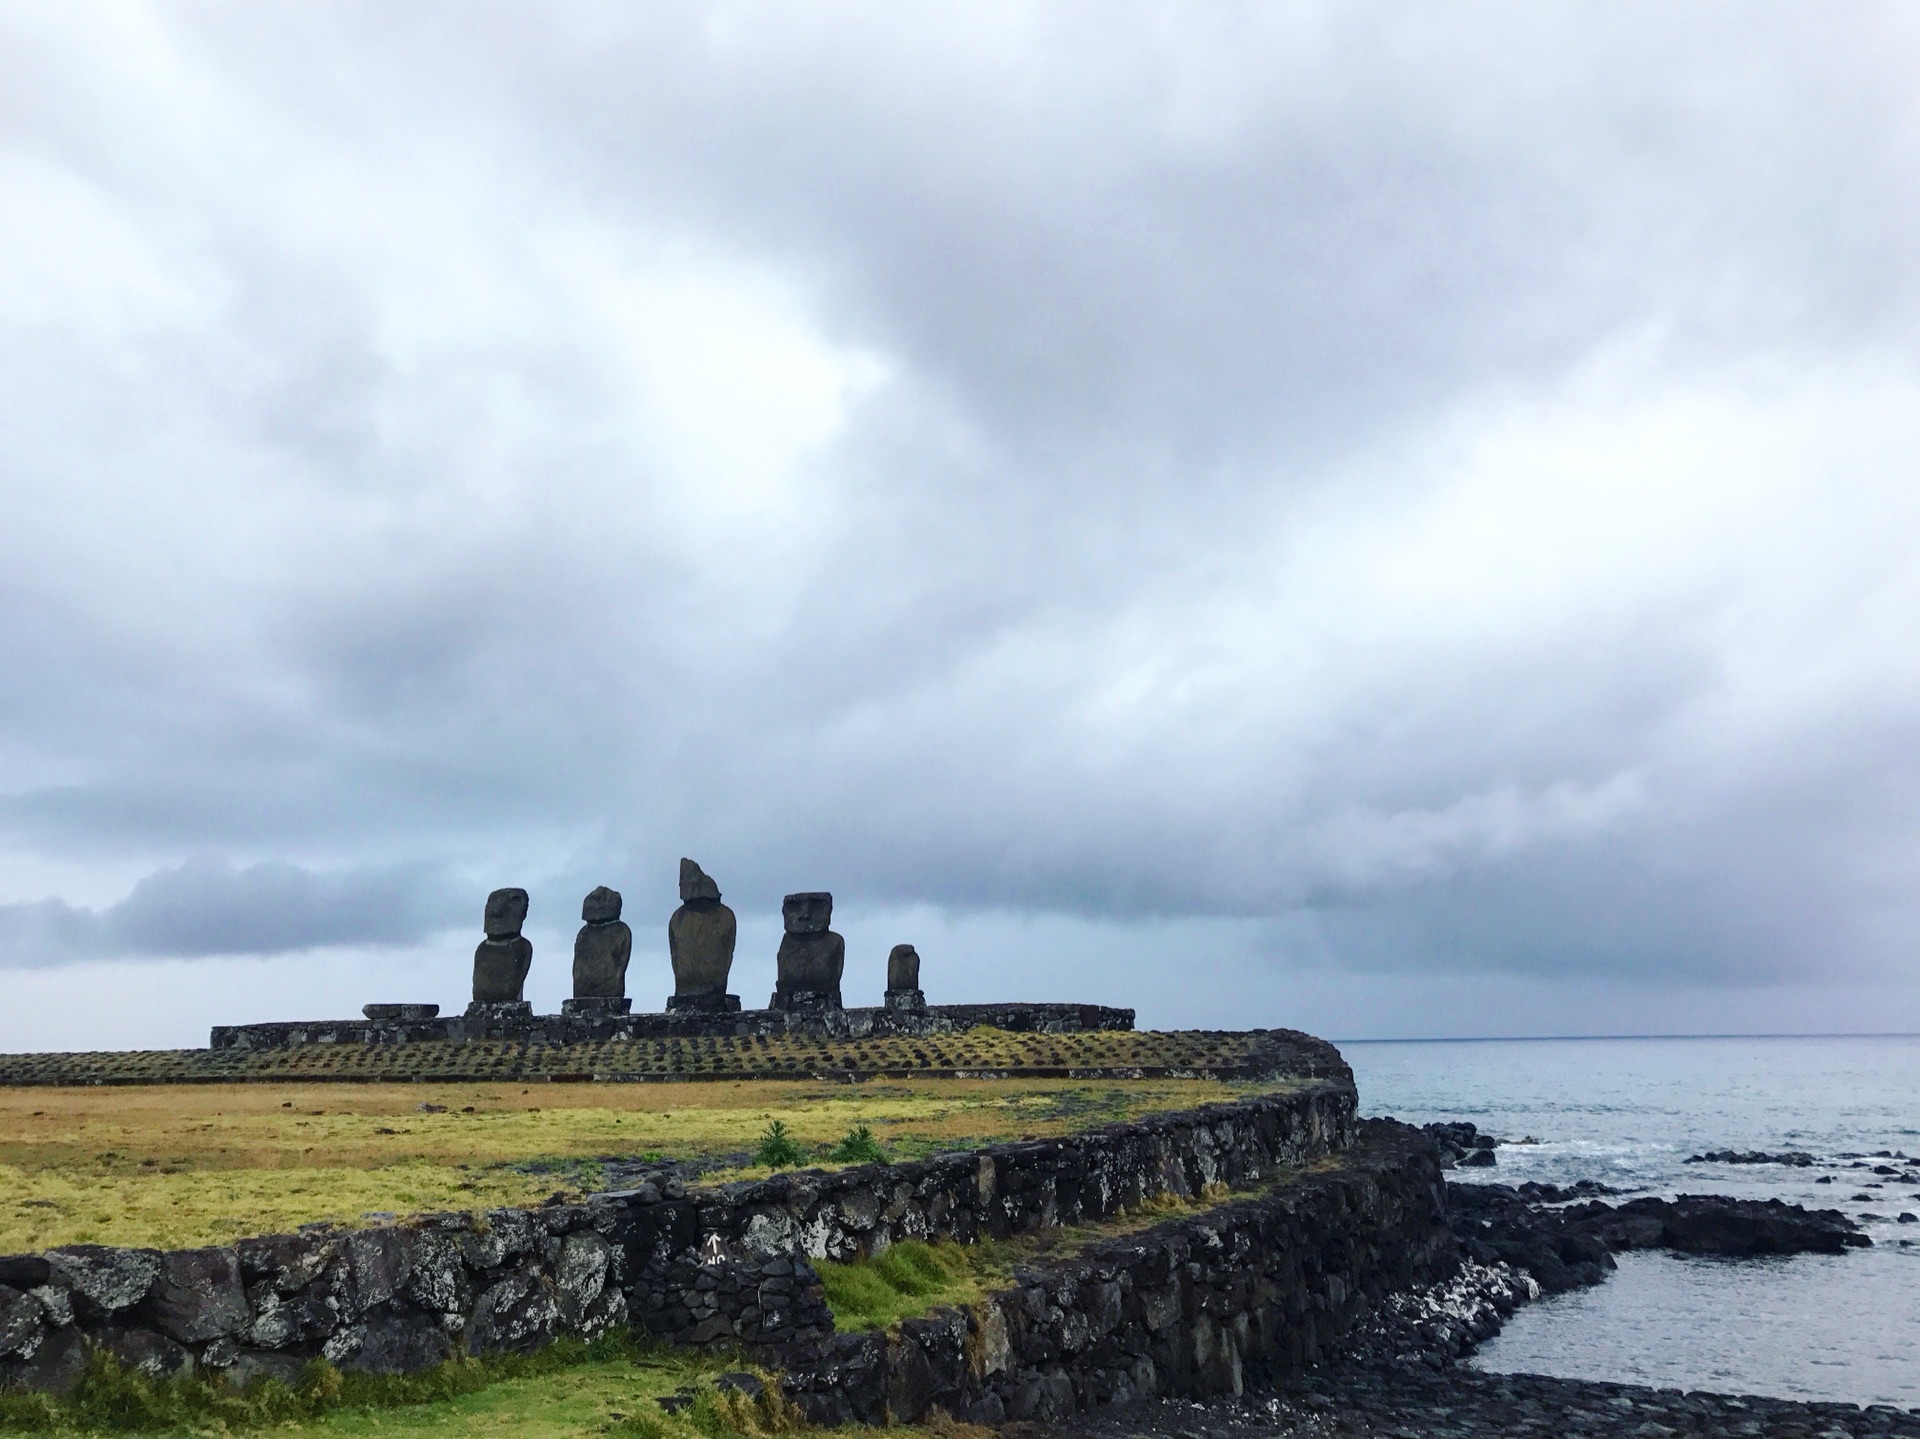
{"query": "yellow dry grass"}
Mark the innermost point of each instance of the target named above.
(173, 1166)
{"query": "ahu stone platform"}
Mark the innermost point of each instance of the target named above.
(409, 1024)
(1273, 1056)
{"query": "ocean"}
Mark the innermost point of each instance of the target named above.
(1629, 1112)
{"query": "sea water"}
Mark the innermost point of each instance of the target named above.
(1629, 1112)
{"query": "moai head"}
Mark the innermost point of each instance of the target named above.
(601, 907)
(903, 967)
(808, 913)
(506, 912)
(696, 883)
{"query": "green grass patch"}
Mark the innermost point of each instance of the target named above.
(911, 1278)
(533, 1394)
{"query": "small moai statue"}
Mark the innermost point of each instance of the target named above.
(903, 979)
(501, 962)
(811, 955)
(600, 954)
(700, 938)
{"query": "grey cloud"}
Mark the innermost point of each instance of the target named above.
(208, 907)
(353, 514)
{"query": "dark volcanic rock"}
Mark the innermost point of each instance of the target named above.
(23, 1323)
(1410, 1402)
(1793, 1158)
(1714, 1224)
(403, 1012)
(1563, 1248)
(104, 1279)
(199, 1296)
(1461, 1143)
(518, 1314)
(398, 1344)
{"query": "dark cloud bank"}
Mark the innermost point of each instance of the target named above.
(1367, 495)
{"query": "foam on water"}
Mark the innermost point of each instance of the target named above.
(1629, 1112)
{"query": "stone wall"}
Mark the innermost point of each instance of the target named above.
(390, 1300)
(728, 1264)
(1255, 1289)
(680, 1023)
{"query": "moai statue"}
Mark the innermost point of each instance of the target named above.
(600, 954)
(700, 939)
(903, 979)
(501, 962)
(811, 955)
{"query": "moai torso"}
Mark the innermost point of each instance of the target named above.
(812, 956)
(903, 968)
(903, 979)
(501, 962)
(602, 948)
(700, 936)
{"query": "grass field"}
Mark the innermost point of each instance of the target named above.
(179, 1165)
(612, 1387)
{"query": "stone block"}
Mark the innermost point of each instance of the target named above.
(517, 1315)
(400, 1344)
(23, 1323)
(503, 1011)
(105, 1279)
(199, 1295)
(400, 1012)
(596, 1006)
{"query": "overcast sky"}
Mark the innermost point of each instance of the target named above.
(1394, 521)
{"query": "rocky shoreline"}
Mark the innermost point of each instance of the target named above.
(1401, 1376)
(1398, 1402)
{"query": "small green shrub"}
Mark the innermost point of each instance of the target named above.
(777, 1148)
(859, 1147)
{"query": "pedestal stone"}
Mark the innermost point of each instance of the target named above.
(812, 956)
(903, 979)
(400, 1011)
(700, 939)
(500, 1009)
(601, 949)
(501, 962)
(596, 1006)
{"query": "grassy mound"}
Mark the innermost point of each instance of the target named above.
(175, 1166)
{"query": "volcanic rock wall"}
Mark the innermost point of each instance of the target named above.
(1257, 1288)
(732, 1264)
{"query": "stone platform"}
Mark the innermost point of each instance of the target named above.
(497, 1022)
